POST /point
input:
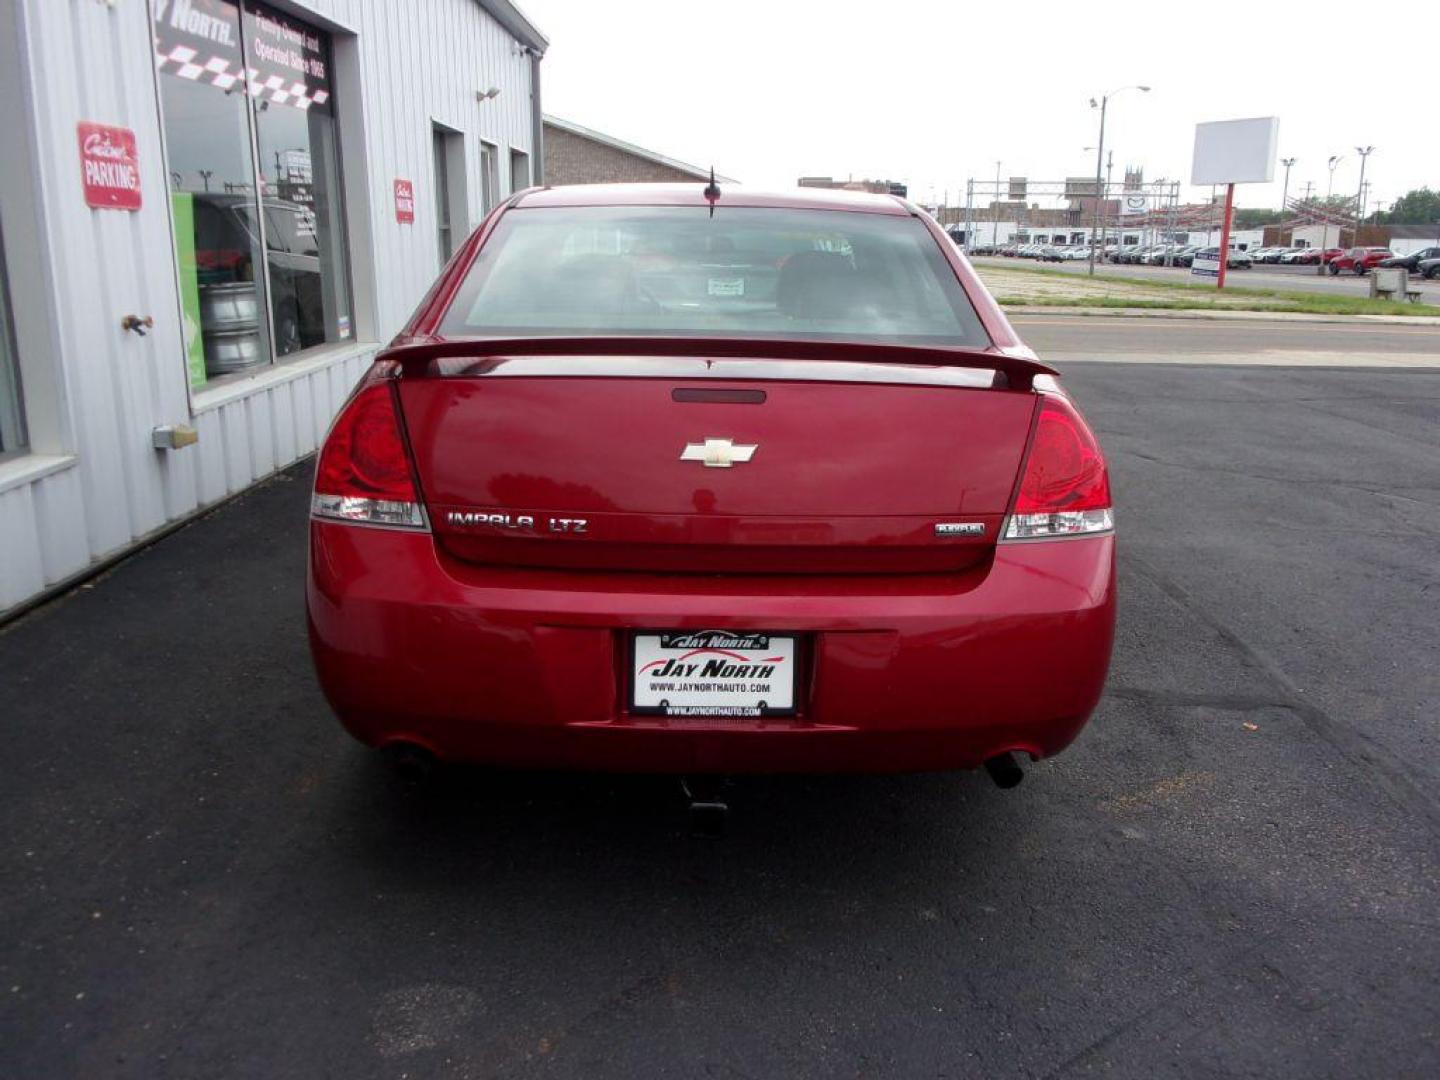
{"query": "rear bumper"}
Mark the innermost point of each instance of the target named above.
(528, 668)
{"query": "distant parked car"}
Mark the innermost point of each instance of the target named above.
(1077, 254)
(1313, 256)
(1429, 268)
(1238, 260)
(1166, 255)
(1412, 261)
(1361, 259)
(1292, 256)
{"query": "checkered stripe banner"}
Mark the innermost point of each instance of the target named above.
(186, 63)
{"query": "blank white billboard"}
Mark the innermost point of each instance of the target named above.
(1236, 151)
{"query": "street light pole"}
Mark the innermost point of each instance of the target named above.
(1285, 192)
(1099, 164)
(1364, 152)
(1099, 158)
(1335, 159)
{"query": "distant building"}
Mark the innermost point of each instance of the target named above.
(580, 155)
(1401, 239)
(875, 187)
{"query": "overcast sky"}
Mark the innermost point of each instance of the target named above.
(931, 92)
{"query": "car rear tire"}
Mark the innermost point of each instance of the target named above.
(1433, 272)
(1334, 270)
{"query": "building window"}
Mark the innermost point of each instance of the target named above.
(12, 415)
(519, 170)
(250, 138)
(489, 176)
(451, 205)
(442, 197)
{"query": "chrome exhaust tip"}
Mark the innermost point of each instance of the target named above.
(1005, 770)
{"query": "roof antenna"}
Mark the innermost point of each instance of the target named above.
(712, 191)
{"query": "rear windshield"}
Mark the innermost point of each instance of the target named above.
(746, 272)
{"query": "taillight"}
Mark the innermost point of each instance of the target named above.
(1065, 490)
(364, 473)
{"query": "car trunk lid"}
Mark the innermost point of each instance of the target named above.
(684, 462)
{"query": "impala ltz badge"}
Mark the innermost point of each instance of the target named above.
(959, 528)
(520, 522)
(717, 453)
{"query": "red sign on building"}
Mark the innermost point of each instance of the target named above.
(109, 166)
(404, 202)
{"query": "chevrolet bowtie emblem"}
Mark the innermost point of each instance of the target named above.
(717, 453)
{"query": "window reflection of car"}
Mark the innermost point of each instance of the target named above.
(225, 236)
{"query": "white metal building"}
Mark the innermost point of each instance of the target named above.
(212, 212)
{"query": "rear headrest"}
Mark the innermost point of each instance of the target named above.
(601, 282)
(817, 285)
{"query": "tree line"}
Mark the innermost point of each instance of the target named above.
(1420, 206)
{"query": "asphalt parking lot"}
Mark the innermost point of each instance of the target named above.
(1232, 873)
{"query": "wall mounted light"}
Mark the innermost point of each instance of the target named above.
(486, 95)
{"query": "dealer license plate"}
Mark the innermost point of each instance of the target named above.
(712, 673)
(726, 286)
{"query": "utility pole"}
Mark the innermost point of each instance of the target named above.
(969, 221)
(1105, 221)
(1309, 190)
(1364, 152)
(995, 232)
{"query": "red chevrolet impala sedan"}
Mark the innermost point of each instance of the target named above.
(677, 478)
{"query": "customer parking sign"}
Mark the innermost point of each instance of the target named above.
(109, 168)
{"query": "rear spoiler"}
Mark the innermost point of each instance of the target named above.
(417, 355)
